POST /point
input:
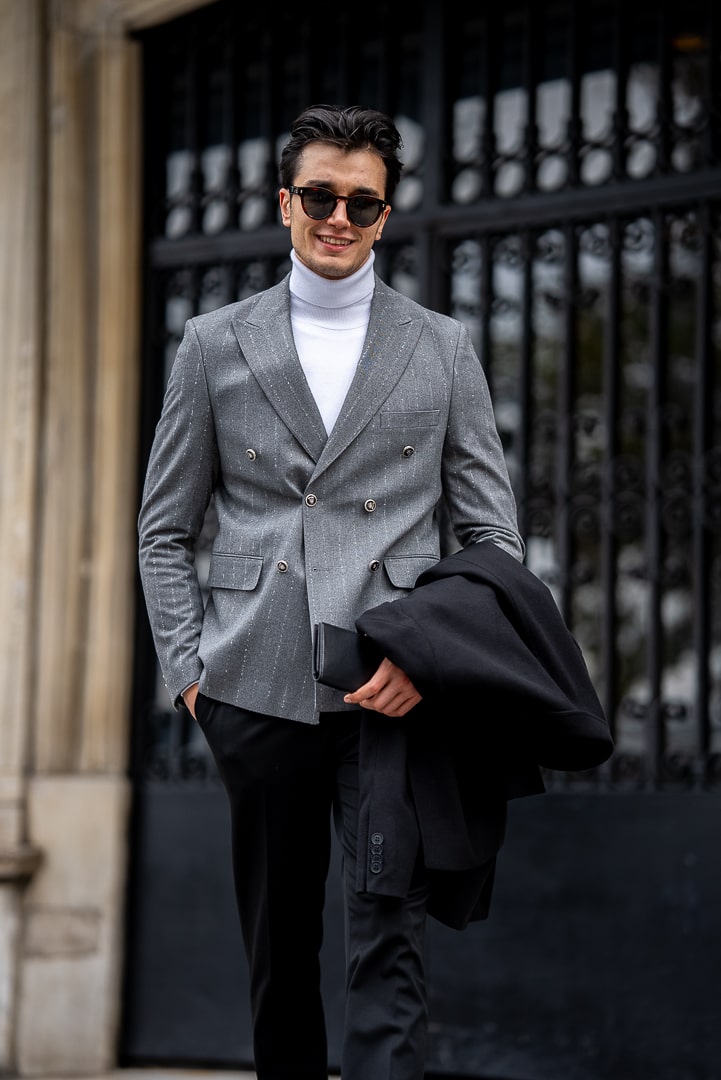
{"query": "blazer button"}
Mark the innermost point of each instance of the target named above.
(373, 566)
(251, 454)
(311, 500)
(282, 566)
(408, 451)
(376, 866)
(377, 838)
(369, 505)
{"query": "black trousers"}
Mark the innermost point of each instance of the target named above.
(285, 782)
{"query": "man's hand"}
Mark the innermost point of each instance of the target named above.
(189, 697)
(389, 691)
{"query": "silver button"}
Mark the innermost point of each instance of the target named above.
(311, 500)
(373, 566)
(282, 566)
(408, 451)
(251, 454)
(369, 505)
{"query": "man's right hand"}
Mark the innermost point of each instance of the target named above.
(189, 697)
(389, 691)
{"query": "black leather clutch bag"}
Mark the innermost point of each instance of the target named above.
(343, 659)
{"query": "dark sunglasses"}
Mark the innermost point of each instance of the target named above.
(319, 203)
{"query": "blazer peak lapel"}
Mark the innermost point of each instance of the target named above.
(390, 342)
(266, 339)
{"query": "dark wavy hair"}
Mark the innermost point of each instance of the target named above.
(351, 128)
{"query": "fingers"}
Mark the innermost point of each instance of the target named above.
(189, 697)
(389, 691)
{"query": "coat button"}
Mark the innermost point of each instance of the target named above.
(408, 451)
(376, 860)
(311, 500)
(283, 566)
(369, 505)
(373, 566)
(251, 454)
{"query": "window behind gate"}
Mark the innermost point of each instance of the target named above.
(562, 197)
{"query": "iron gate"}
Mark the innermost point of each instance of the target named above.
(562, 197)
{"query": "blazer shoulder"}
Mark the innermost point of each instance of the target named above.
(405, 307)
(222, 318)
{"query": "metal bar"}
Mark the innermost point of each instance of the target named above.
(530, 26)
(490, 83)
(702, 428)
(494, 215)
(525, 374)
(713, 83)
(664, 107)
(565, 450)
(433, 259)
(193, 136)
(611, 413)
(231, 109)
(574, 136)
(620, 115)
(486, 303)
(658, 350)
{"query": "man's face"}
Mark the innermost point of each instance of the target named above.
(334, 248)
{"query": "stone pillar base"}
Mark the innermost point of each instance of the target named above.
(71, 956)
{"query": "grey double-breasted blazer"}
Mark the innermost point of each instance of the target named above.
(311, 527)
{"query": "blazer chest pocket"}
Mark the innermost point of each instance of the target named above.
(234, 571)
(410, 420)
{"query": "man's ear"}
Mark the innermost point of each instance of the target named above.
(285, 198)
(381, 223)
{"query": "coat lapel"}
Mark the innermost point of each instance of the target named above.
(393, 332)
(266, 339)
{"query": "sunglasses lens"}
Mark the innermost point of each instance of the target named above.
(318, 204)
(363, 210)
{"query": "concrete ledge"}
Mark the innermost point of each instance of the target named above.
(19, 864)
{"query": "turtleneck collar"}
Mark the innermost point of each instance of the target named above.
(331, 293)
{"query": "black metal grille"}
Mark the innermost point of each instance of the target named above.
(562, 197)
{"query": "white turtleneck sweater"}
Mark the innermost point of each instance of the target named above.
(329, 319)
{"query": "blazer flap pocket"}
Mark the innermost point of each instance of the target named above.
(404, 570)
(234, 571)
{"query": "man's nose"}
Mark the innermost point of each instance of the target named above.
(339, 216)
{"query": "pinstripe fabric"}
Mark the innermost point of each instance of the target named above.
(237, 386)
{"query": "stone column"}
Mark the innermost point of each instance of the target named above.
(69, 986)
(21, 332)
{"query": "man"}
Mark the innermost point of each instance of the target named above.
(329, 416)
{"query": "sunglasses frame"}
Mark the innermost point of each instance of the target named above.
(300, 191)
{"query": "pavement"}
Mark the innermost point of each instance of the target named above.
(167, 1074)
(173, 1074)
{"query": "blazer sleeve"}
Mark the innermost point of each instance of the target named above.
(476, 483)
(178, 486)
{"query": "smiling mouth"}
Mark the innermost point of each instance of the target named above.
(335, 241)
